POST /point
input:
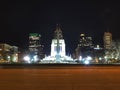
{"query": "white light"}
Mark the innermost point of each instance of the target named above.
(100, 58)
(15, 59)
(86, 62)
(89, 58)
(27, 58)
(105, 57)
(80, 58)
(8, 57)
(35, 58)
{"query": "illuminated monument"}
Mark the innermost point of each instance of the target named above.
(58, 53)
(58, 44)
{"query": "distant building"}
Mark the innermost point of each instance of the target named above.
(35, 47)
(85, 46)
(107, 38)
(8, 53)
(34, 42)
(58, 52)
(58, 43)
(85, 41)
(41, 53)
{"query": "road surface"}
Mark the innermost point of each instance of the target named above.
(57, 78)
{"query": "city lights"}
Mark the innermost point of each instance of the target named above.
(86, 62)
(85, 52)
(27, 58)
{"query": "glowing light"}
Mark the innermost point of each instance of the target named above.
(86, 62)
(82, 34)
(80, 58)
(27, 59)
(35, 58)
(54, 45)
(8, 57)
(15, 59)
(105, 57)
(89, 58)
(100, 58)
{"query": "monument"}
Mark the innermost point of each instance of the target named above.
(58, 52)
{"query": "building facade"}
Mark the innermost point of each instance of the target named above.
(35, 47)
(85, 46)
(8, 53)
(107, 38)
(58, 43)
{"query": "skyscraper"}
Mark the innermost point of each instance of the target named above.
(84, 47)
(107, 40)
(35, 47)
(85, 41)
(34, 42)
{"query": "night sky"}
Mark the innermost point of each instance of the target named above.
(19, 18)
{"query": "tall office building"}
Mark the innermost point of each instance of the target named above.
(107, 40)
(84, 47)
(85, 41)
(34, 42)
(35, 47)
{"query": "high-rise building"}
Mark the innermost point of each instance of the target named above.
(107, 40)
(34, 42)
(85, 41)
(108, 46)
(35, 47)
(84, 47)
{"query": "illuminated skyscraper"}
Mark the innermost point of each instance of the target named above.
(35, 47)
(84, 47)
(107, 40)
(85, 41)
(34, 42)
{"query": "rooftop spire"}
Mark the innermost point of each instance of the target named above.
(58, 32)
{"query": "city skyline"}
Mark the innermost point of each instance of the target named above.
(68, 51)
(18, 19)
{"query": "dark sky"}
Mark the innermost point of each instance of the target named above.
(19, 18)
